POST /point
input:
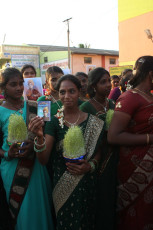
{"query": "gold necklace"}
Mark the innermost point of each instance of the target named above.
(73, 124)
(143, 92)
(18, 109)
(104, 107)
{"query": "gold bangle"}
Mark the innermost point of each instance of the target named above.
(148, 139)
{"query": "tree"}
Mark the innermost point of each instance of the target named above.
(84, 45)
(81, 45)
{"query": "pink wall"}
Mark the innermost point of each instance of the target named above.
(78, 65)
(107, 65)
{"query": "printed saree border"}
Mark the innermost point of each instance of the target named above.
(19, 186)
(68, 182)
(23, 171)
(138, 181)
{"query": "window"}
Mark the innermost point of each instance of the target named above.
(88, 60)
(45, 59)
(112, 61)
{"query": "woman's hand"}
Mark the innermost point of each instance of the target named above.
(13, 151)
(21, 152)
(79, 168)
(35, 126)
(26, 150)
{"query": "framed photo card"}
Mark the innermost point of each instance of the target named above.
(32, 88)
(44, 108)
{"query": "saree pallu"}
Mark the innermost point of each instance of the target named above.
(135, 200)
(74, 195)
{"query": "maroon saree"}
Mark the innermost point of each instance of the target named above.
(135, 170)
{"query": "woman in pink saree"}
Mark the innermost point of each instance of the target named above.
(132, 129)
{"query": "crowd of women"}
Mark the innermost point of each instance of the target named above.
(112, 186)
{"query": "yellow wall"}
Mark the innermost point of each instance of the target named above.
(135, 16)
(132, 8)
(133, 41)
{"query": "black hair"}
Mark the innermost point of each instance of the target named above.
(143, 66)
(115, 77)
(139, 62)
(94, 77)
(68, 77)
(125, 71)
(26, 67)
(81, 74)
(8, 74)
(125, 81)
(54, 69)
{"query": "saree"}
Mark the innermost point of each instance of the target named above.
(106, 193)
(135, 192)
(31, 215)
(74, 195)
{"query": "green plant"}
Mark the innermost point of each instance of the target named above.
(73, 143)
(17, 130)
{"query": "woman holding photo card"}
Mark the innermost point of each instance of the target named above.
(53, 74)
(25, 180)
(73, 183)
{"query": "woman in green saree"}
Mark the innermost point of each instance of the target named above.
(99, 86)
(74, 184)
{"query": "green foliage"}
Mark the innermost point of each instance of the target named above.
(84, 45)
(73, 143)
(109, 116)
(17, 130)
(81, 45)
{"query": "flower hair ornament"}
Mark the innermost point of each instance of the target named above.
(128, 86)
(47, 94)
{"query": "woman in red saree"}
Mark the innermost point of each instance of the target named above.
(132, 128)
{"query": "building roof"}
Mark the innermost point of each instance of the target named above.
(74, 50)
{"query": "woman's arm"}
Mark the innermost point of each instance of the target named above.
(118, 136)
(43, 156)
(40, 142)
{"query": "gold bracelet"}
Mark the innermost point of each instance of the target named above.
(148, 139)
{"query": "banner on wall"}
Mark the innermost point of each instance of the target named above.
(63, 64)
(117, 70)
(89, 68)
(18, 60)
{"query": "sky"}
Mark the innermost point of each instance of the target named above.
(94, 22)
